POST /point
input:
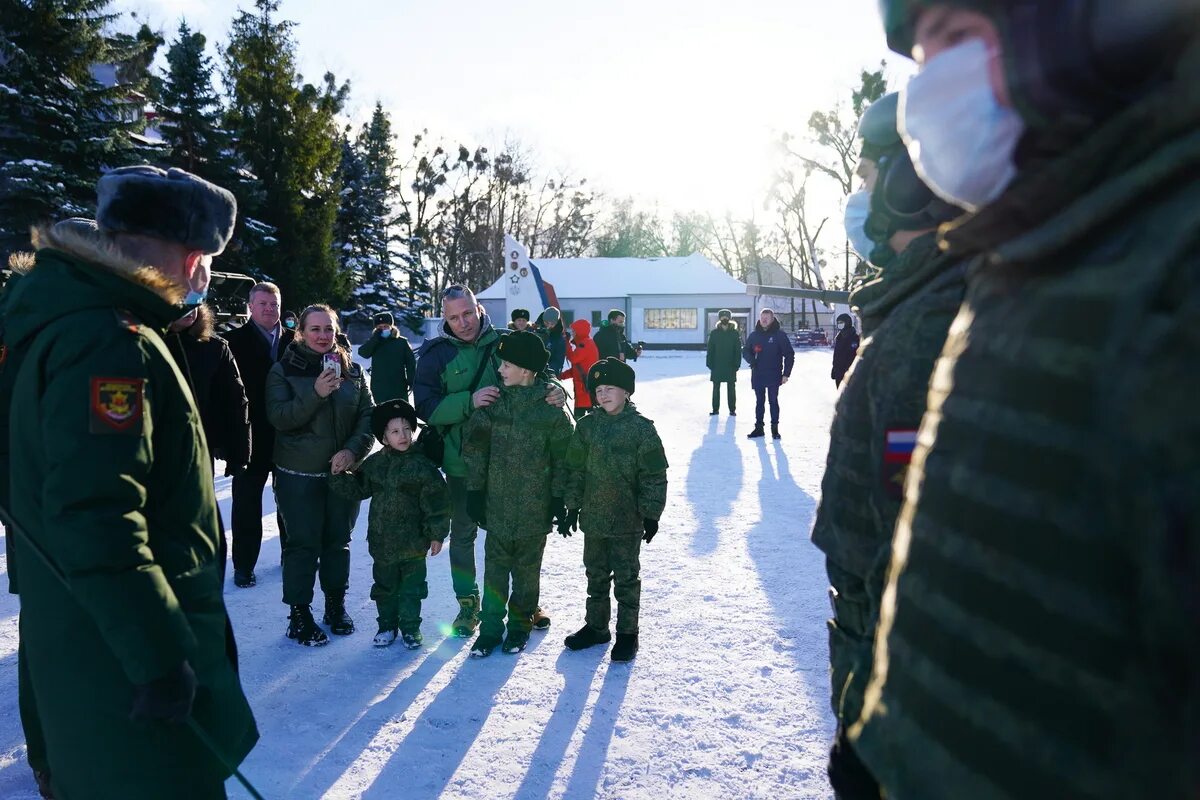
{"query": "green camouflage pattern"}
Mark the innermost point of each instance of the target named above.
(613, 561)
(910, 308)
(398, 589)
(616, 472)
(514, 450)
(410, 506)
(518, 556)
(1038, 635)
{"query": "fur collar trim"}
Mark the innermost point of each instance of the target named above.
(99, 250)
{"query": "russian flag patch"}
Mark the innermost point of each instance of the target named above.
(899, 445)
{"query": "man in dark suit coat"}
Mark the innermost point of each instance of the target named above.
(256, 346)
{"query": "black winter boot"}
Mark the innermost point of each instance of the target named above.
(757, 433)
(586, 637)
(304, 629)
(336, 618)
(775, 431)
(484, 645)
(515, 642)
(626, 647)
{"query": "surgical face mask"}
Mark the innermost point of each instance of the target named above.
(198, 285)
(858, 207)
(841, 326)
(194, 297)
(386, 333)
(959, 137)
(289, 323)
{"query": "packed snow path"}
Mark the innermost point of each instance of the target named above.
(728, 697)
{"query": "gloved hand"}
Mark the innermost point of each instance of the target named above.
(168, 698)
(234, 470)
(569, 522)
(558, 511)
(650, 526)
(477, 507)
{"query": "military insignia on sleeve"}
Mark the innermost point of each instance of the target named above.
(897, 455)
(116, 405)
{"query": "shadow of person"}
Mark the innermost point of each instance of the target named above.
(441, 737)
(714, 480)
(578, 671)
(593, 750)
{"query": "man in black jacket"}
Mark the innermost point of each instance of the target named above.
(845, 348)
(610, 339)
(256, 346)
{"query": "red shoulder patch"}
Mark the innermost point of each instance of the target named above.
(116, 405)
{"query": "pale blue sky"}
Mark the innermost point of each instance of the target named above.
(673, 101)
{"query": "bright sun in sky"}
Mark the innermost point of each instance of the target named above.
(673, 102)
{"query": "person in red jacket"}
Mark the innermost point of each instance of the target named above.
(582, 354)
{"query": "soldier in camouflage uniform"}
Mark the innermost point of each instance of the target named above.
(616, 492)
(907, 310)
(410, 518)
(1039, 632)
(514, 450)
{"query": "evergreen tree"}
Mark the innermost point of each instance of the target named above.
(61, 128)
(287, 134)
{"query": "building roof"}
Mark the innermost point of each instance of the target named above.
(575, 278)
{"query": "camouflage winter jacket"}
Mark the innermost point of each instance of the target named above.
(1040, 634)
(410, 506)
(514, 449)
(878, 410)
(616, 472)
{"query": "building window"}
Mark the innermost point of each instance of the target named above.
(568, 317)
(669, 319)
(596, 319)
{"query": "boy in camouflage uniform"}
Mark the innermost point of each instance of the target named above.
(410, 517)
(617, 488)
(513, 450)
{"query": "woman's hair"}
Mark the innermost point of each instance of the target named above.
(342, 353)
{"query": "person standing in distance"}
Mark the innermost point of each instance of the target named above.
(393, 365)
(770, 356)
(1038, 633)
(256, 346)
(845, 348)
(114, 497)
(610, 339)
(724, 358)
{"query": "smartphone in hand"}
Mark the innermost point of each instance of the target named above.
(334, 363)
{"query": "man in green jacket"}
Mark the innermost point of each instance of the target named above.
(393, 365)
(1039, 634)
(114, 498)
(456, 374)
(908, 310)
(724, 358)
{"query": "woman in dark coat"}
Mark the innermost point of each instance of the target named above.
(845, 348)
(724, 358)
(770, 356)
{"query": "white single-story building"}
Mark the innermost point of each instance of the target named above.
(669, 303)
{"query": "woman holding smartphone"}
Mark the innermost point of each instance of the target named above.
(318, 401)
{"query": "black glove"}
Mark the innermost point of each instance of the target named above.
(568, 522)
(234, 470)
(168, 698)
(650, 526)
(558, 511)
(477, 507)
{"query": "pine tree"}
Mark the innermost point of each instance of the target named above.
(61, 128)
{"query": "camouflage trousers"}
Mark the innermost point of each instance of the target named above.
(398, 590)
(518, 557)
(851, 639)
(613, 561)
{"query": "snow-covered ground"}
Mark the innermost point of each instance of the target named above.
(728, 697)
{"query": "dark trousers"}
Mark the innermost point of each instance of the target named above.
(521, 558)
(462, 540)
(761, 394)
(398, 590)
(730, 395)
(247, 517)
(849, 777)
(613, 561)
(31, 724)
(319, 526)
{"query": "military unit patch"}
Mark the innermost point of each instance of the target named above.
(116, 405)
(898, 447)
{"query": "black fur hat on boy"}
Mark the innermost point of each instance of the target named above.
(520, 313)
(611, 372)
(524, 349)
(166, 204)
(384, 413)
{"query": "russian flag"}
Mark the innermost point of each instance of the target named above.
(899, 446)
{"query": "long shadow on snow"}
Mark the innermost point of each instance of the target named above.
(593, 751)
(710, 499)
(424, 764)
(578, 671)
(354, 740)
(791, 570)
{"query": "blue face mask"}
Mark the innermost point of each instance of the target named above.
(386, 334)
(195, 298)
(858, 208)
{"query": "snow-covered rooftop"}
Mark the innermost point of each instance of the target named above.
(618, 277)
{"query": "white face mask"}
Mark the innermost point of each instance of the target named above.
(960, 139)
(858, 208)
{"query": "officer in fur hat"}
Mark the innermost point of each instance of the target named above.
(114, 500)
